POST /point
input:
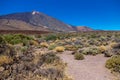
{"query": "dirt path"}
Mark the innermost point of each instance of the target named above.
(92, 68)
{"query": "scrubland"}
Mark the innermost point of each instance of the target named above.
(34, 57)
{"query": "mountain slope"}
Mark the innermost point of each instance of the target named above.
(83, 28)
(38, 20)
(11, 24)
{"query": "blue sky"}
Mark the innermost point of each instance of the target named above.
(97, 14)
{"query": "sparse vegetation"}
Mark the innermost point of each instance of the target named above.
(2, 41)
(51, 37)
(91, 51)
(71, 47)
(114, 63)
(19, 51)
(52, 46)
(78, 56)
(49, 58)
(17, 38)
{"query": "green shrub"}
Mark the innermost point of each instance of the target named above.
(51, 37)
(91, 51)
(51, 47)
(26, 42)
(15, 41)
(113, 63)
(17, 38)
(2, 40)
(78, 56)
(24, 49)
(93, 36)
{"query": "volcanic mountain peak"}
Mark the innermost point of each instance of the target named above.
(37, 21)
(35, 12)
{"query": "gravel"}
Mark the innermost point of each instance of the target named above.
(91, 68)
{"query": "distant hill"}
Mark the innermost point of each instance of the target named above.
(36, 21)
(83, 28)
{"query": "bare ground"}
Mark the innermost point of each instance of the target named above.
(91, 68)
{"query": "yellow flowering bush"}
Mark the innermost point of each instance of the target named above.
(102, 48)
(59, 49)
(44, 44)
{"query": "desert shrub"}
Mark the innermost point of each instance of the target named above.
(71, 47)
(33, 42)
(79, 46)
(25, 42)
(17, 38)
(78, 42)
(102, 48)
(24, 48)
(113, 44)
(78, 56)
(7, 49)
(51, 37)
(59, 49)
(51, 47)
(108, 53)
(91, 51)
(5, 59)
(116, 51)
(93, 36)
(55, 74)
(113, 63)
(49, 58)
(51, 74)
(2, 40)
(15, 41)
(92, 42)
(73, 39)
(8, 37)
(116, 46)
(22, 36)
(44, 44)
(86, 45)
(61, 43)
(57, 40)
(38, 36)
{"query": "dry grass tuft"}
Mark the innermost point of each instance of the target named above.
(5, 59)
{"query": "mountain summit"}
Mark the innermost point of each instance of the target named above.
(33, 21)
(35, 12)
